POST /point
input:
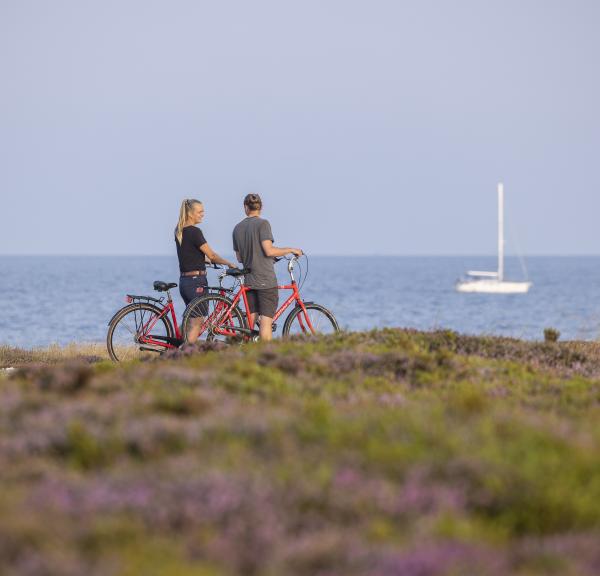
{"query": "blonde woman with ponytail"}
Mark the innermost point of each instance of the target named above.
(192, 252)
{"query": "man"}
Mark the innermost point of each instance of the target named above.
(253, 245)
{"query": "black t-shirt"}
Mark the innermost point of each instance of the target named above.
(190, 256)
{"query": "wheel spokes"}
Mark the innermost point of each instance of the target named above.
(313, 321)
(218, 319)
(134, 329)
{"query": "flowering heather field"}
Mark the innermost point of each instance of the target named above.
(384, 453)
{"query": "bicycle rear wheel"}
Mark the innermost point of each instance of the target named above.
(316, 320)
(137, 330)
(218, 321)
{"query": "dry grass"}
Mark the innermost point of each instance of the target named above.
(16, 357)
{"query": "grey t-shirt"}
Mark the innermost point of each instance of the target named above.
(247, 238)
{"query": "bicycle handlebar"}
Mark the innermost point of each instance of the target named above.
(291, 262)
(292, 257)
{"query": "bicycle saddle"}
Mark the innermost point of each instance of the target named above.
(161, 286)
(237, 271)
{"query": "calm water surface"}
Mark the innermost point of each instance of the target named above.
(71, 299)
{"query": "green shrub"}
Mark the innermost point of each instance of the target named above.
(551, 335)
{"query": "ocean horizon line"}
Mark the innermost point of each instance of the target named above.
(313, 255)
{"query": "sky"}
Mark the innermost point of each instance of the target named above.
(368, 127)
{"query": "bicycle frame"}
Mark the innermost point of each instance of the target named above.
(242, 295)
(162, 341)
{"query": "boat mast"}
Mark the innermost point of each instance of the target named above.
(500, 232)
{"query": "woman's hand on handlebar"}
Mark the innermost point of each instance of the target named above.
(221, 266)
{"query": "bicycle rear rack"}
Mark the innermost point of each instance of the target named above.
(131, 298)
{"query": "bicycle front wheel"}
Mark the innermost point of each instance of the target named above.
(137, 330)
(316, 320)
(213, 318)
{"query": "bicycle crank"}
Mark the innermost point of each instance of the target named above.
(152, 348)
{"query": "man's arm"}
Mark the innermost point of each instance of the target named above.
(274, 252)
(235, 247)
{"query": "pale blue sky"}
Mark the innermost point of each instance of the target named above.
(369, 127)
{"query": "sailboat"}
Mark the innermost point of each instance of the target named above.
(493, 282)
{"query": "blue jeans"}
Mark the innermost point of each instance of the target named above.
(191, 287)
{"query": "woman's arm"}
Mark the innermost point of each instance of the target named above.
(214, 257)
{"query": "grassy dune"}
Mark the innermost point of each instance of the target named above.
(385, 453)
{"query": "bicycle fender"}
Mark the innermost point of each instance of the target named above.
(293, 311)
(156, 308)
(296, 307)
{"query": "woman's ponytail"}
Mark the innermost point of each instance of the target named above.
(184, 214)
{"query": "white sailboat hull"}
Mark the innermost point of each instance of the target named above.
(493, 287)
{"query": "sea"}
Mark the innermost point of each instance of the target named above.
(47, 300)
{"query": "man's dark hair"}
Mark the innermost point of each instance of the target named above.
(253, 202)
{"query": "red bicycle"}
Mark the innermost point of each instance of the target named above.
(222, 319)
(144, 326)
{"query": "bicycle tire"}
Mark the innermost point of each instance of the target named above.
(208, 306)
(322, 320)
(119, 350)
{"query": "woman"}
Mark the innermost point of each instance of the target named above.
(192, 252)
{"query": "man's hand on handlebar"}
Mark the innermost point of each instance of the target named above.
(295, 252)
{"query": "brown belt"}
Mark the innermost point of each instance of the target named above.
(194, 273)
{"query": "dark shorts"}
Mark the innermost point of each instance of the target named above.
(263, 302)
(191, 287)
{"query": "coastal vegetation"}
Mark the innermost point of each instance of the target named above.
(391, 452)
(11, 356)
